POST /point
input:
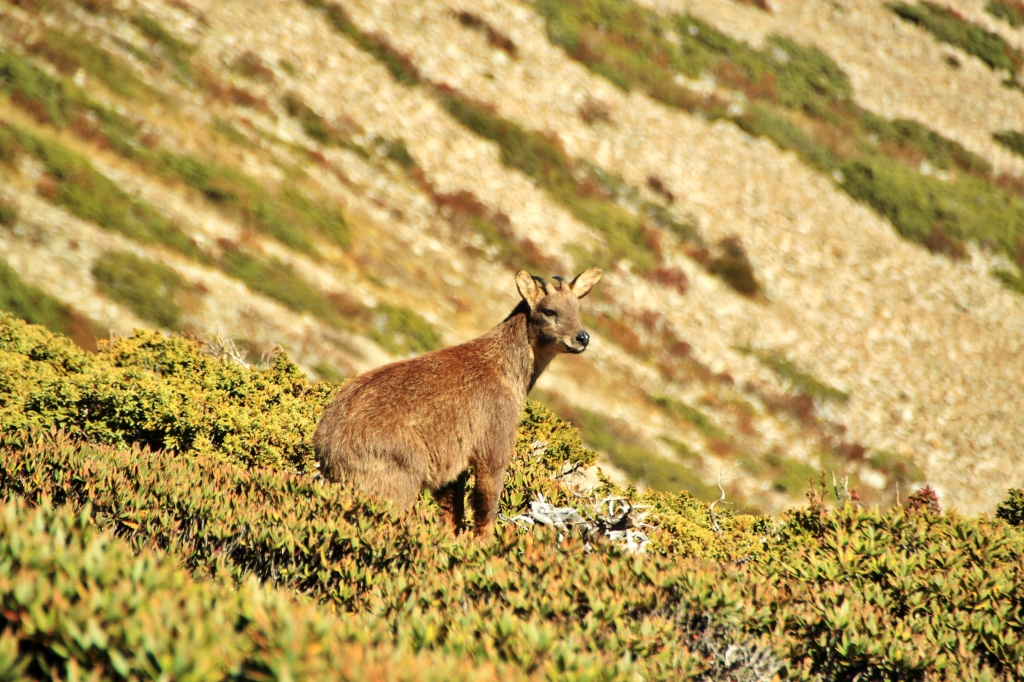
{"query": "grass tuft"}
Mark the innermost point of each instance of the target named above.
(1010, 11)
(799, 380)
(1012, 140)
(952, 28)
(150, 289)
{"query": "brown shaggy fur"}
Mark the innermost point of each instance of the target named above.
(423, 422)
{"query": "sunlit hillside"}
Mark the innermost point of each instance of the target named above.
(810, 213)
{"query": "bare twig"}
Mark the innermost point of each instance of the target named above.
(711, 507)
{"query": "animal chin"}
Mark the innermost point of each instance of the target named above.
(574, 350)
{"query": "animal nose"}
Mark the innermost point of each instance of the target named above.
(583, 338)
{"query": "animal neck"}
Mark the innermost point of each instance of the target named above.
(521, 361)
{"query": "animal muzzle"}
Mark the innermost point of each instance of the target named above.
(580, 342)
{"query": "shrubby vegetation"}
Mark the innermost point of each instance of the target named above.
(950, 27)
(798, 380)
(1010, 11)
(158, 391)
(150, 289)
(1012, 140)
(69, 53)
(78, 602)
(800, 98)
(840, 594)
(73, 183)
(285, 213)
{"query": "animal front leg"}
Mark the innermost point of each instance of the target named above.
(486, 494)
(452, 500)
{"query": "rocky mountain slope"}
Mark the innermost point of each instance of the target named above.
(810, 216)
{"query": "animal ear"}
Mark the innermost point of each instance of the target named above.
(528, 288)
(585, 281)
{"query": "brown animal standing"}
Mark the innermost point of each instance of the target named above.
(423, 422)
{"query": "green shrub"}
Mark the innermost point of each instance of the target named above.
(397, 152)
(625, 452)
(942, 152)
(400, 66)
(402, 331)
(950, 27)
(920, 205)
(897, 596)
(76, 600)
(60, 102)
(1010, 280)
(846, 594)
(37, 307)
(69, 53)
(798, 380)
(690, 414)
(165, 393)
(176, 51)
(1010, 11)
(312, 123)
(150, 289)
(74, 184)
(1011, 509)
(543, 159)
(229, 132)
(467, 213)
(35, 91)
(280, 282)
(286, 214)
(895, 466)
(404, 581)
(1012, 140)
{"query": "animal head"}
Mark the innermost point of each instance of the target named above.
(554, 317)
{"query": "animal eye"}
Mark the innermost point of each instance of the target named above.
(548, 313)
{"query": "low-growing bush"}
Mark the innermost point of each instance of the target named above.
(402, 583)
(176, 51)
(543, 159)
(797, 379)
(1012, 140)
(73, 183)
(280, 282)
(400, 66)
(77, 602)
(495, 38)
(691, 414)
(841, 594)
(1011, 509)
(285, 213)
(402, 331)
(951, 27)
(920, 205)
(69, 53)
(1010, 11)
(150, 289)
(625, 452)
(1010, 280)
(158, 391)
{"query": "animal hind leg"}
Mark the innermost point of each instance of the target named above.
(452, 500)
(485, 497)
